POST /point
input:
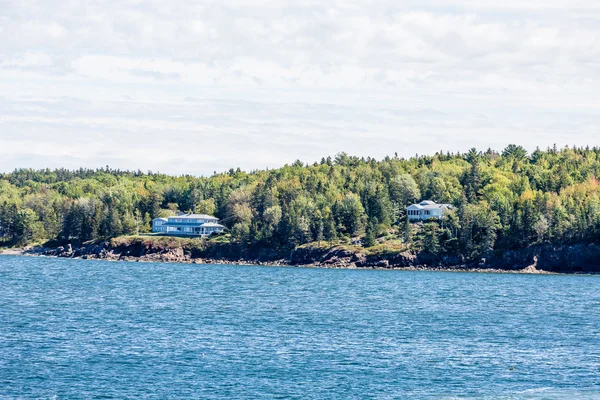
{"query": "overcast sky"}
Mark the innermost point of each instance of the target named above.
(197, 86)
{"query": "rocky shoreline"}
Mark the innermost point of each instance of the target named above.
(174, 258)
(541, 259)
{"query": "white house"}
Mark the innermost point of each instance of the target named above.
(426, 210)
(187, 224)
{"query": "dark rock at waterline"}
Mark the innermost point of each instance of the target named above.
(561, 259)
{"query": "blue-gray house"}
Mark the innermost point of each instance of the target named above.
(187, 224)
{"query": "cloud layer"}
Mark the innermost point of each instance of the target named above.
(193, 87)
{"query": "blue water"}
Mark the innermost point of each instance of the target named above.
(74, 329)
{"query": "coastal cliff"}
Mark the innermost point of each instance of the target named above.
(579, 258)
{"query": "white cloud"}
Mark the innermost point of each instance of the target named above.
(276, 80)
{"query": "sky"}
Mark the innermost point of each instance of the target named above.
(193, 87)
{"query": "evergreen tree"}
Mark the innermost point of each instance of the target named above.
(330, 231)
(370, 235)
(320, 231)
(146, 223)
(406, 230)
(430, 238)
(503, 201)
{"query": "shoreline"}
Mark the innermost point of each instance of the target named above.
(531, 270)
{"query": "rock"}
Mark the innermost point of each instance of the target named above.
(307, 255)
(403, 260)
(541, 258)
(359, 258)
(452, 260)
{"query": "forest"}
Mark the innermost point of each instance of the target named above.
(503, 200)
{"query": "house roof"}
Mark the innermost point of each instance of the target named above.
(429, 205)
(212, 225)
(436, 206)
(194, 216)
(160, 219)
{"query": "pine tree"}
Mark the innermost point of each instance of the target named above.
(320, 231)
(431, 242)
(406, 231)
(370, 235)
(146, 223)
(329, 231)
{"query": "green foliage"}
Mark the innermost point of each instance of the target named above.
(207, 207)
(240, 232)
(431, 242)
(478, 229)
(504, 200)
(370, 239)
(350, 214)
(27, 226)
(329, 231)
(404, 190)
(406, 231)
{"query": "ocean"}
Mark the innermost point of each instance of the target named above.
(75, 329)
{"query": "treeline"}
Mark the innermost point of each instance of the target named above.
(504, 200)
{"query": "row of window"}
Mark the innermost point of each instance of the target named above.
(190, 221)
(159, 227)
(418, 212)
(179, 229)
(186, 230)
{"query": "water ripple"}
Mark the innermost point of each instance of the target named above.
(74, 329)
